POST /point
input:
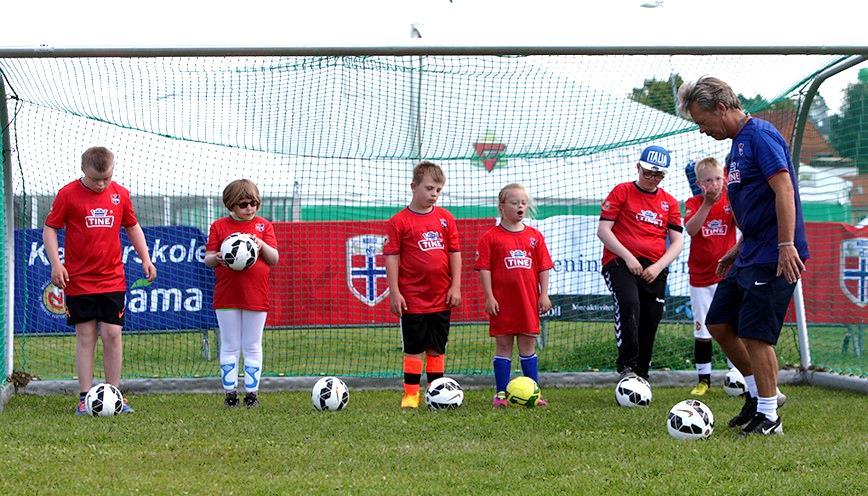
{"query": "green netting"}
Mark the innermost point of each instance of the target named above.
(330, 141)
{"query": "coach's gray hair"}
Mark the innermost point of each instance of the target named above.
(706, 92)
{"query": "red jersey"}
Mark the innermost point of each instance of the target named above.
(424, 242)
(242, 289)
(515, 260)
(715, 237)
(642, 220)
(92, 243)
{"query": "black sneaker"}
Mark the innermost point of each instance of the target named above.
(747, 413)
(231, 399)
(627, 372)
(760, 425)
(251, 400)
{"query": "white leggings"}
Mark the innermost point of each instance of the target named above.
(240, 332)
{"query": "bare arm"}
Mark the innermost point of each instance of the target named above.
(453, 297)
(137, 238)
(59, 275)
(268, 253)
(398, 304)
(789, 263)
(545, 303)
(676, 243)
(610, 241)
(491, 305)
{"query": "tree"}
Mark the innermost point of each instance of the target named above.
(849, 129)
(758, 104)
(659, 94)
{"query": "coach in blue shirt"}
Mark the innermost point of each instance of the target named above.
(748, 309)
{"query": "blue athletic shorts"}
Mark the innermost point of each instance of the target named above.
(754, 301)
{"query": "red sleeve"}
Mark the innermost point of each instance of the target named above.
(57, 215)
(129, 219)
(674, 212)
(453, 243)
(542, 254)
(611, 206)
(213, 243)
(483, 254)
(268, 236)
(392, 245)
(691, 206)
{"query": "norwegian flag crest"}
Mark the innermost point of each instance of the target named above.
(366, 268)
(853, 276)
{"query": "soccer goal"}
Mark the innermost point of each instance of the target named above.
(331, 139)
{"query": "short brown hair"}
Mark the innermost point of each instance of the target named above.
(238, 190)
(706, 92)
(429, 168)
(98, 158)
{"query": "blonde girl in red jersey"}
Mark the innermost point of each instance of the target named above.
(241, 298)
(513, 263)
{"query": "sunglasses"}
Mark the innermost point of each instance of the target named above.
(652, 175)
(247, 203)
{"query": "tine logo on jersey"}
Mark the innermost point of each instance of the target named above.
(518, 259)
(260, 227)
(116, 199)
(734, 176)
(99, 217)
(854, 270)
(714, 228)
(366, 268)
(431, 240)
(650, 217)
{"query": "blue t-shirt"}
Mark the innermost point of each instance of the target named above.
(758, 153)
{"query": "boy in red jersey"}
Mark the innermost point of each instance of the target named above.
(513, 263)
(635, 220)
(241, 298)
(93, 209)
(423, 268)
(709, 222)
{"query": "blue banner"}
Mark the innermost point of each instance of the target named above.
(180, 298)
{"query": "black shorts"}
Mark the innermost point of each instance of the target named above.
(754, 301)
(101, 307)
(425, 331)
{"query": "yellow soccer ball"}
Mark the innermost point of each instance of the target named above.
(523, 391)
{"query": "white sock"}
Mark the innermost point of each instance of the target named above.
(750, 380)
(703, 368)
(768, 406)
(252, 372)
(229, 373)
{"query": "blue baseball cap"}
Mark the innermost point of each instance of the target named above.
(655, 158)
(690, 171)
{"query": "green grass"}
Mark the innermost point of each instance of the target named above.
(570, 346)
(582, 444)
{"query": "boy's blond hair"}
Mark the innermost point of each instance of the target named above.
(98, 158)
(531, 204)
(238, 190)
(429, 168)
(707, 163)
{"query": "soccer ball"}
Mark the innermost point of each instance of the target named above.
(689, 420)
(239, 251)
(523, 391)
(330, 394)
(103, 400)
(733, 383)
(633, 391)
(444, 394)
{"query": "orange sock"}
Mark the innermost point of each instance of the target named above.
(412, 374)
(435, 366)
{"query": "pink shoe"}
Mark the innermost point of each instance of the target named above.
(499, 400)
(542, 403)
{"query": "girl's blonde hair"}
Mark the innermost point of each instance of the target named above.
(531, 204)
(707, 163)
(238, 190)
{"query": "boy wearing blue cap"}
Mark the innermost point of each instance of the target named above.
(635, 220)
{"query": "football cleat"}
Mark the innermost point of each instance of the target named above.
(747, 413)
(410, 401)
(231, 399)
(499, 400)
(81, 409)
(541, 402)
(126, 408)
(700, 389)
(251, 400)
(760, 425)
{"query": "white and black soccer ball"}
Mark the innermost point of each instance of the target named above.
(690, 420)
(733, 383)
(103, 400)
(330, 394)
(444, 394)
(239, 251)
(633, 391)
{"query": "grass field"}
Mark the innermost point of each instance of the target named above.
(377, 351)
(581, 444)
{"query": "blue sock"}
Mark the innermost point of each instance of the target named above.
(530, 367)
(502, 366)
